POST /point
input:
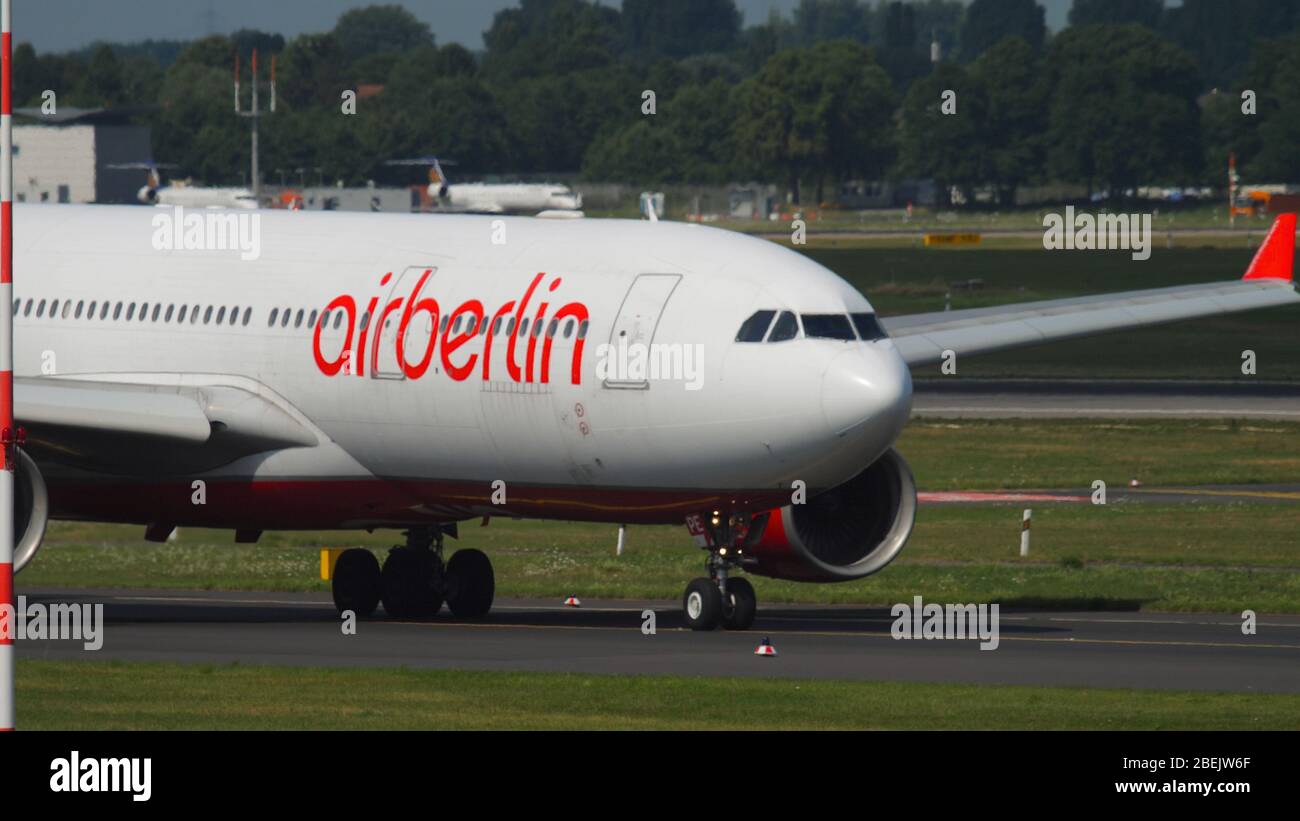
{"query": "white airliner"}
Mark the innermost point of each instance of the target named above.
(541, 199)
(153, 192)
(411, 372)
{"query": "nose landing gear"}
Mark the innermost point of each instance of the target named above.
(719, 599)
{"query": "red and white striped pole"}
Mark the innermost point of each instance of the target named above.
(6, 369)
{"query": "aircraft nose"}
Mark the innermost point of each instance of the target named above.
(867, 392)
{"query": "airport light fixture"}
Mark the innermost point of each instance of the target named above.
(255, 114)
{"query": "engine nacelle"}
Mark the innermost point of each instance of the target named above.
(147, 195)
(845, 533)
(31, 510)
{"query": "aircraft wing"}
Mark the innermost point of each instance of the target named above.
(96, 424)
(922, 338)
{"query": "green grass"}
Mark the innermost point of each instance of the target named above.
(1176, 558)
(58, 695)
(1164, 218)
(1222, 558)
(1030, 453)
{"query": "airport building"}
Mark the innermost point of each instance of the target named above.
(65, 157)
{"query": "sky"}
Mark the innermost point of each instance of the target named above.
(63, 25)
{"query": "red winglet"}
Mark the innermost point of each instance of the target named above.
(1275, 257)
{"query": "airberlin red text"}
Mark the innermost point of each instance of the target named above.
(458, 361)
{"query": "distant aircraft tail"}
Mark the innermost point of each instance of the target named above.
(1276, 257)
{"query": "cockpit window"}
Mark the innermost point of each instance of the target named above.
(786, 328)
(755, 328)
(828, 326)
(869, 328)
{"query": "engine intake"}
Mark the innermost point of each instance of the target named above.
(31, 510)
(845, 533)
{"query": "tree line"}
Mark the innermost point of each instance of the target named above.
(1130, 93)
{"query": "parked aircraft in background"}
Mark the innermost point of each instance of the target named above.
(153, 192)
(543, 199)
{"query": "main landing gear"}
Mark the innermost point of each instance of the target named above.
(414, 581)
(720, 598)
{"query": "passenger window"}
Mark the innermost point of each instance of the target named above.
(93, 305)
(221, 315)
(311, 322)
(482, 326)
(144, 310)
(17, 303)
(582, 330)
(496, 326)
(568, 328)
(338, 320)
(297, 320)
(270, 322)
(157, 307)
(365, 320)
(785, 329)
(510, 327)
(194, 314)
(284, 317)
(755, 328)
(27, 309)
(117, 311)
(40, 309)
(550, 329)
(869, 328)
(442, 328)
(80, 304)
(828, 326)
(130, 312)
(54, 309)
(248, 314)
(207, 315)
(180, 317)
(171, 309)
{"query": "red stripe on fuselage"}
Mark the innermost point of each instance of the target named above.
(308, 504)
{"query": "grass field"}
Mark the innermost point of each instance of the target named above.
(1221, 558)
(1071, 453)
(832, 220)
(53, 695)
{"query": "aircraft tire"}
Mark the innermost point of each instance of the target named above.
(739, 615)
(356, 582)
(410, 589)
(471, 584)
(702, 604)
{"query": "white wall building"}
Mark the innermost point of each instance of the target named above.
(65, 158)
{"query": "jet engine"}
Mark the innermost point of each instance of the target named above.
(841, 534)
(147, 195)
(31, 510)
